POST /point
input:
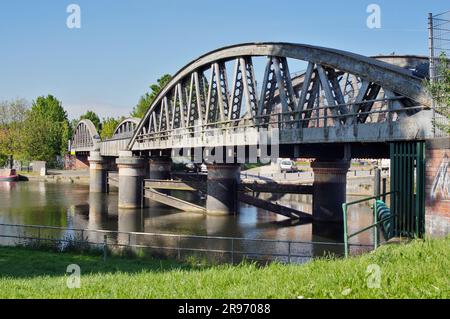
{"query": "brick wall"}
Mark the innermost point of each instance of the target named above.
(81, 162)
(437, 187)
(76, 162)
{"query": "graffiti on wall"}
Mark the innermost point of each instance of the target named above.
(441, 183)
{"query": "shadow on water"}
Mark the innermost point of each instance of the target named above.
(327, 233)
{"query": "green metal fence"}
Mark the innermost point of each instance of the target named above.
(408, 177)
(407, 200)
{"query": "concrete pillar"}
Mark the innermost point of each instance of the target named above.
(131, 177)
(160, 167)
(329, 189)
(377, 182)
(223, 182)
(97, 173)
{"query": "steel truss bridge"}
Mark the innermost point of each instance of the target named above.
(341, 97)
(341, 106)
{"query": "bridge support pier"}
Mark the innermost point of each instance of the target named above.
(329, 189)
(131, 177)
(222, 183)
(97, 173)
(160, 168)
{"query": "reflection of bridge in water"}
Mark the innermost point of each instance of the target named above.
(342, 106)
(262, 233)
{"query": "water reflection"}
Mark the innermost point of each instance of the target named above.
(98, 211)
(71, 205)
(327, 233)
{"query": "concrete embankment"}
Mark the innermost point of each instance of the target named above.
(59, 176)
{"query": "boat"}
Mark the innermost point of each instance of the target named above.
(8, 175)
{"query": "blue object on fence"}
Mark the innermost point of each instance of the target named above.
(383, 213)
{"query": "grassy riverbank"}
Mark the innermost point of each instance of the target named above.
(420, 269)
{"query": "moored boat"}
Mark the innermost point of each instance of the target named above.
(8, 175)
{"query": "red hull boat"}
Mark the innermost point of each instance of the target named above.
(8, 175)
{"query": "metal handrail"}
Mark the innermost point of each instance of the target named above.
(178, 248)
(118, 138)
(173, 235)
(375, 224)
(203, 128)
(261, 116)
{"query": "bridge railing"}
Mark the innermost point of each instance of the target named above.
(222, 249)
(301, 119)
(111, 147)
(376, 223)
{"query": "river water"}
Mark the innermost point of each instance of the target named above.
(71, 205)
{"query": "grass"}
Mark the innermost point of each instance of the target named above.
(419, 269)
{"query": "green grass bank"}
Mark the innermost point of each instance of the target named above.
(419, 269)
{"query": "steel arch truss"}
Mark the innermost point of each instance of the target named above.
(126, 128)
(338, 91)
(85, 137)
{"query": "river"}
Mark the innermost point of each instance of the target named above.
(72, 206)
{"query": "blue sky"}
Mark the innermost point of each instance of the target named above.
(125, 45)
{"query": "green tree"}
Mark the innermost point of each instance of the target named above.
(440, 91)
(90, 115)
(108, 127)
(12, 111)
(147, 99)
(12, 117)
(73, 125)
(46, 130)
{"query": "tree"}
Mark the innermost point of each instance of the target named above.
(440, 91)
(12, 111)
(73, 125)
(46, 130)
(12, 117)
(49, 108)
(108, 127)
(147, 99)
(90, 115)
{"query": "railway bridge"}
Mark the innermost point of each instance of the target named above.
(243, 104)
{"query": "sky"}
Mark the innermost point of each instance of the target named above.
(123, 46)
